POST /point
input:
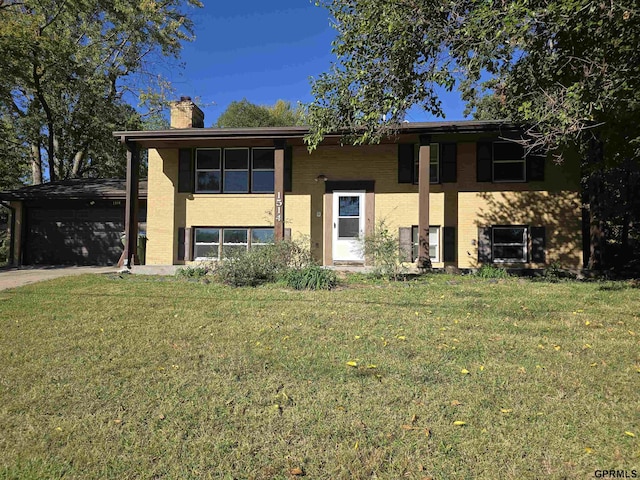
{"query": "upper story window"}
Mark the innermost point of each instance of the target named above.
(208, 170)
(505, 161)
(434, 163)
(509, 163)
(262, 170)
(233, 170)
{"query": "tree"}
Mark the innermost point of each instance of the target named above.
(69, 68)
(568, 70)
(244, 114)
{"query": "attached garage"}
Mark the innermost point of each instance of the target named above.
(72, 222)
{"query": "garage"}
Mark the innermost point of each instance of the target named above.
(73, 222)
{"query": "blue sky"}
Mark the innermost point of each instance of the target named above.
(262, 51)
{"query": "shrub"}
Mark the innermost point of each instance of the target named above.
(489, 271)
(382, 249)
(262, 265)
(198, 271)
(311, 277)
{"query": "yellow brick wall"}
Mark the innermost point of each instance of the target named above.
(465, 204)
(161, 198)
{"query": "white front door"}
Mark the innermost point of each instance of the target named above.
(348, 226)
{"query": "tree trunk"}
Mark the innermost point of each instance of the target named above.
(597, 254)
(36, 165)
(78, 160)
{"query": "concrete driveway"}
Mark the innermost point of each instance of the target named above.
(16, 277)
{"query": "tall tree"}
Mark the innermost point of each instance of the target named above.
(243, 114)
(70, 66)
(569, 70)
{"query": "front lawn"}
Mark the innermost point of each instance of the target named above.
(443, 378)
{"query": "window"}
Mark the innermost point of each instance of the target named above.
(208, 244)
(231, 170)
(509, 163)
(434, 163)
(509, 244)
(262, 170)
(208, 170)
(236, 170)
(434, 243)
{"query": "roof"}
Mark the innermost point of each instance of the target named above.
(77, 188)
(149, 137)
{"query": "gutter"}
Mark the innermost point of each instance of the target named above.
(12, 230)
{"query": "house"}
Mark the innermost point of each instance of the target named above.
(69, 222)
(461, 192)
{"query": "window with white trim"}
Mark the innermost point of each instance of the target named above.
(208, 170)
(434, 243)
(509, 164)
(211, 243)
(509, 244)
(434, 163)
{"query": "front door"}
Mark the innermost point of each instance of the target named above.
(348, 226)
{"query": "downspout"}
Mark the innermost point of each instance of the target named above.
(12, 230)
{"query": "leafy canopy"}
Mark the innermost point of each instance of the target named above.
(70, 69)
(244, 114)
(570, 69)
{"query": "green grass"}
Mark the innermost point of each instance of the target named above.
(102, 377)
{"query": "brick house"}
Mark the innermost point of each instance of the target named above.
(459, 192)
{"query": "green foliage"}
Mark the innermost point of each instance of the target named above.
(66, 69)
(193, 272)
(382, 249)
(491, 271)
(263, 265)
(245, 114)
(311, 277)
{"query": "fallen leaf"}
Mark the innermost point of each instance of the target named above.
(296, 471)
(629, 434)
(427, 432)
(588, 450)
(506, 410)
(408, 427)
(459, 423)
(352, 364)
(371, 365)
(464, 371)
(557, 347)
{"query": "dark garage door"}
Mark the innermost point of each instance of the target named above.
(73, 236)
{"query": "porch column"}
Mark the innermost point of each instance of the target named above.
(130, 254)
(424, 156)
(278, 190)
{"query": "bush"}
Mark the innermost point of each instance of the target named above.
(489, 271)
(263, 265)
(311, 278)
(192, 272)
(382, 249)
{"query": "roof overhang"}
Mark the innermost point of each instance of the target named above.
(296, 135)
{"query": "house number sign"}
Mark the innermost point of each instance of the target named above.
(279, 204)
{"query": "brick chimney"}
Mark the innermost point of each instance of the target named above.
(186, 114)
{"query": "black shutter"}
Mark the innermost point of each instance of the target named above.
(538, 243)
(181, 236)
(185, 170)
(484, 160)
(406, 161)
(484, 244)
(535, 168)
(449, 247)
(288, 168)
(448, 165)
(406, 250)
